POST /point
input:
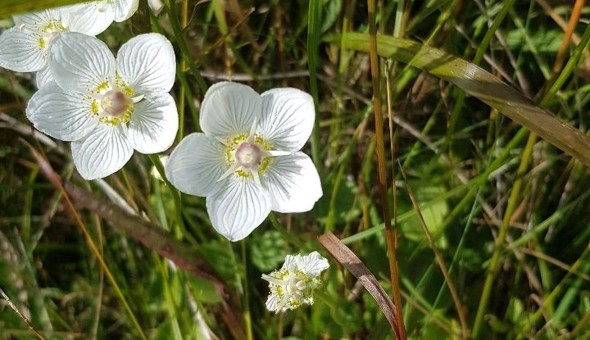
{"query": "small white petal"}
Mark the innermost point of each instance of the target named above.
(21, 51)
(272, 303)
(293, 183)
(196, 164)
(43, 77)
(80, 62)
(229, 109)
(104, 151)
(88, 18)
(147, 63)
(287, 118)
(124, 9)
(290, 263)
(238, 207)
(61, 115)
(153, 124)
(312, 264)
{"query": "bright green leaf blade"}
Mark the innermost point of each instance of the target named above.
(481, 84)
(11, 7)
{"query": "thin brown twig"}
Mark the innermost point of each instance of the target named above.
(390, 233)
(24, 318)
(440, 261)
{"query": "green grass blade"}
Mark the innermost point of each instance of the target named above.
(483, 85)
(11, 7)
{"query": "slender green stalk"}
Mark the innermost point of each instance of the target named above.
(178, 33)
(513, 200)
(313, 41)
(50, 174)
(247, 315)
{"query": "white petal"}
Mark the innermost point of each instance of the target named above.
(124, 9)
(238, 207)
(229, 109)
(290, 263)
(293, 183)
(43, 77)
(80, 62)
(287, 118)
(153, 125)
(312, 264)
(272, 303)
(21, 51)
(104, 151)
(147, 63)
(90, 18)
(196, 164)
(36, 20)
(61, 115)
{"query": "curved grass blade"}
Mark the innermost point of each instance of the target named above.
(481, 84)
(11, 7)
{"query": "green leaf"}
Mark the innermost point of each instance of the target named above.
(481, 84)
(11, 7)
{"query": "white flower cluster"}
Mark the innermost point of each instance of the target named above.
(247, 161)
(106, 106)
(293, 284)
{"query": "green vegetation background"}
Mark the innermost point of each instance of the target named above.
(508, 212)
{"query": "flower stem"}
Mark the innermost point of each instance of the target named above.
(390, 233)
(313, 42)
(246, 314)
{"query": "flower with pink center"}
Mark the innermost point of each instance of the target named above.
(108, 107)
(25, 47)
(248, 160)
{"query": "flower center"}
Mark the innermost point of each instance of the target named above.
(114, 102)
(48, 31)
(249, 155)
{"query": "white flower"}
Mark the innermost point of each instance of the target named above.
(295, 282)
(108, 107)
(25, 47)
(104, 12)
(247, 162)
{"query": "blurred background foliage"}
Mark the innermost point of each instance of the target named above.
(461, 158)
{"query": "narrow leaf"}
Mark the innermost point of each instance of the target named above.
(355, 266)
(481, 84)
(11, 7)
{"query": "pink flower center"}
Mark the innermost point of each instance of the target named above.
(114, 102)
(248, 155)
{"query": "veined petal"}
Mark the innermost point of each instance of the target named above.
(238, 207)
(65, 116)
(153, 124)
(104, 151)
(147, 63)
(293, 183)
(22, 51)
(272, 303)
(80, 62)
(312, 264)
(35, 20)
(229, 109)
(91, 18)
(124, 9)
(196, 165)
(43, 77)
(287, 118)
